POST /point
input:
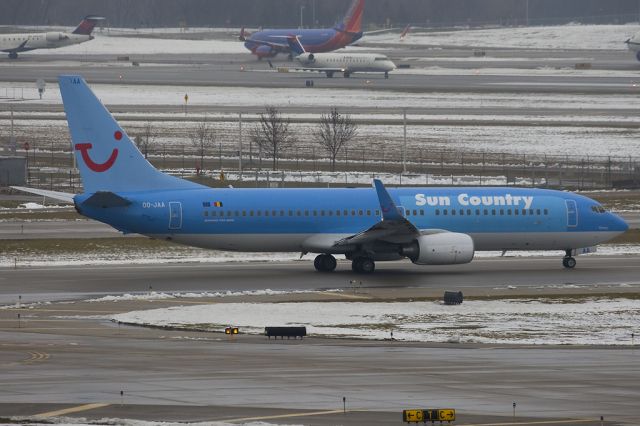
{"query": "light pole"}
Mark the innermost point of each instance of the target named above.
(301, 15)
(526, 18)
(404, 141)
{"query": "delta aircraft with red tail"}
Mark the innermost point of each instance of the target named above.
(268, 43)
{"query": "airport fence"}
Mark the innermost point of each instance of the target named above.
(308, 165)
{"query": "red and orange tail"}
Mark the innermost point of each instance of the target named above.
(352, 22)
(87, 25)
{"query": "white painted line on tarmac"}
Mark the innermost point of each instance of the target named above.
(70, 410)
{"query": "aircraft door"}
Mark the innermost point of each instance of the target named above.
(175, 215)
(572, 213)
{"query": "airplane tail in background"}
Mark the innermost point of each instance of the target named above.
(295, 45)
(87, 25)
(352, 22)
(106, 157)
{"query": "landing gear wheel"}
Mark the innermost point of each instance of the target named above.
(569, 262)
(386, 75)
(329, 74)
(347, 74)
(363, 265)
(13, 55)
(325, 263)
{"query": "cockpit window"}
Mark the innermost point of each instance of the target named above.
(598, 209)
(380, 58)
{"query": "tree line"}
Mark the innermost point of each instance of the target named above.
(286, 13)
(272, 135)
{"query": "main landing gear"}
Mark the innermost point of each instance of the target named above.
(13, 55)
(325, 263)
(568, 261)
(363, 265)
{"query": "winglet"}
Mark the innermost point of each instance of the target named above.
(387, 206)
(295, 45)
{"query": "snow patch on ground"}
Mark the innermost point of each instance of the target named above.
(573, 36)
(540, 321)
(196, 295)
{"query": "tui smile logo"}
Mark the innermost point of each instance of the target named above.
(98, 167)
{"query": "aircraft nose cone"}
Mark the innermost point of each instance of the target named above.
(618, 223)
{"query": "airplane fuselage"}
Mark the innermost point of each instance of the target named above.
(30, 41)
(347, 63)
(309, 220)
(313, 40)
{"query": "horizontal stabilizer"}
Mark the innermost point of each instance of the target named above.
(106, 199)
(60, 196)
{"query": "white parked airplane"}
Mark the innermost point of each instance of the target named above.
(345, 63)
(14, 43)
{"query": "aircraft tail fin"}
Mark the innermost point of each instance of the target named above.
(87, 25)
(352, 22)
(405, 32)
(107, 158)
(295, 45)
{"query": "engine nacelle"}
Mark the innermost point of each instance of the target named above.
(445, 248)
(55, 36)
(307, 58)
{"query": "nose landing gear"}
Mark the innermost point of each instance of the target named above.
(363, 265)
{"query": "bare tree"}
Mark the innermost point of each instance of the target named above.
(334, 133)
(272, 134)
(202, 138)
(146, 139)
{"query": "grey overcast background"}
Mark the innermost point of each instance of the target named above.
(278, 13)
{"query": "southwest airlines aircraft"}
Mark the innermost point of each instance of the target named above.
(14, 43)
(429, 226)
(345, 63)
(268, 43)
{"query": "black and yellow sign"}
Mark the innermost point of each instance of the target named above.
(231, 330)
(426, 415)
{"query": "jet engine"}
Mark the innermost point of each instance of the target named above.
(307, 58)
(445, 248)
(55, 36)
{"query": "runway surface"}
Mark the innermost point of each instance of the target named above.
(480, 277)
(67, 353)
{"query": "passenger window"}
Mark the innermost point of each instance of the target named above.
(538, 212)
(214, 213)
(306, 212)
(353, 212)
(258, 212)
(337, 212)
(360, 212)
(453, 212)
(530, 212)
(546, 212)
(206, 213)
(368, 212)
(321, 212)
(345, 212)
(244, 212)
(501, 212)
(437, 212)
(516, 212)
(315, 212)
(298, 213)
(274, 213)
(493, 212)
(477, 212)
(377, 212)
(266, 212)
(461, 212)
(330, 212)
(237, 213)
(524, 212)
(445, 212)
(468, 212)
(408, 213)
(421, 212)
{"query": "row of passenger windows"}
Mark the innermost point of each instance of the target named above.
(252, 213)
(414, 212)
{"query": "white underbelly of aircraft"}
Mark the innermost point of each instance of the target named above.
(321, 243)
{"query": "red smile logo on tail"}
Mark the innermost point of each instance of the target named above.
(98, 167)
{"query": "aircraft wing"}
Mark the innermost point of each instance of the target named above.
(318, 69)
(60, 196)
(283, 47)
(393, 228)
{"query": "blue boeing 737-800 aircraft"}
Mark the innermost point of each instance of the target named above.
(429, 226)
